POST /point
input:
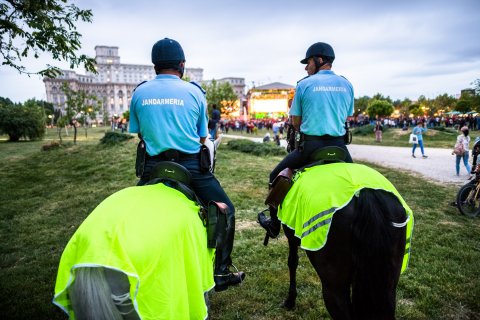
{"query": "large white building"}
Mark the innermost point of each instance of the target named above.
(113, 83)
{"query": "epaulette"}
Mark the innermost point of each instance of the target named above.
(198, 86)
(138, 85)
(302, 79)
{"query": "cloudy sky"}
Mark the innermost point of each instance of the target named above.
(397, 48)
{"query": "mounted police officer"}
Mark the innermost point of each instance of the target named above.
(320, 107)
(170, 115)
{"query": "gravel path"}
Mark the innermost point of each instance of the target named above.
(439, 166)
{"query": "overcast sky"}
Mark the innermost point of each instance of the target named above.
(404, 49)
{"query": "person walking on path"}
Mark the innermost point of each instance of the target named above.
(464, 139)
(378, 131)
(418, 131)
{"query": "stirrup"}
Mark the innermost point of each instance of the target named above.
(267, 224)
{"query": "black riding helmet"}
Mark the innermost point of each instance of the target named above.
(167, 54)
(319, 49)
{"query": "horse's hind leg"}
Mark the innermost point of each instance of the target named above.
(293, 244)
(333, 264)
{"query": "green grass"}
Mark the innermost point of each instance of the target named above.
(44, 197)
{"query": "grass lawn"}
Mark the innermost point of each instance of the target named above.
(45, 195)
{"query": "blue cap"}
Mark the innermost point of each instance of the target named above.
(167, 51)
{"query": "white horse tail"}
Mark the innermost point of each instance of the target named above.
(91, 295)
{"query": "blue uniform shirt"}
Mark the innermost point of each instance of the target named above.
(324, 101)
(169, 113)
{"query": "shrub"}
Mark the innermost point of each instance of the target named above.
(113, 138)
(366, 130)
(22, 121)
(255, 148)
(51, 146)
(443, 129)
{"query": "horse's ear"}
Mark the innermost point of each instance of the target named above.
(329, 154)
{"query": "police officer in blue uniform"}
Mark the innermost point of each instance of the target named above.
(170, 115)
(320, 107)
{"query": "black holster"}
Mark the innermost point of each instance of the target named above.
(216, 224)
(141, 158)
(205, 161)
(347, 137)
(299, 141)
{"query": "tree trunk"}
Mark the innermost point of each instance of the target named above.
(74, 134)
(59, 131)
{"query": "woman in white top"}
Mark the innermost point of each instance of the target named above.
(465, 139)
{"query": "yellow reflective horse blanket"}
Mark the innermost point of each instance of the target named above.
(155, 236)
(320, 191)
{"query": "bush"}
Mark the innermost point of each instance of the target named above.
(443, 129)
(255, 148)
(51, 146)
(22, 121)
(113, 138)
(366, 130)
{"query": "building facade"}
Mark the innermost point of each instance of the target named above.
(113, 84)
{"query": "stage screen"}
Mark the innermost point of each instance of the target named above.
(269, 105)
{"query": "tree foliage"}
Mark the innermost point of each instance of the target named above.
(25, 121)
(463, 105)
(222, 95)
(379, 108)
(416, 109)
(35, 26)
(361, 105)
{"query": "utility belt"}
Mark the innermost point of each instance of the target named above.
(307, 137)
(171, 155)
(300, 138)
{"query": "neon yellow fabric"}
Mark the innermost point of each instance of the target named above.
(320, 191)
(155, 236)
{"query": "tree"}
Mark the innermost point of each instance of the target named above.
(79, 106)
(380, 96)
(22, 121)
(444, 102)
(463, 105)
(361, 105)
(379, 108)
(403, 107)
(32, 27)
(416, 110)
(222, 95)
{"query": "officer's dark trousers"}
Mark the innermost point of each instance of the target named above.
(207, 188)
(296, 159)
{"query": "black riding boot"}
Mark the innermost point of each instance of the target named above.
(272, 225)
(223, 276)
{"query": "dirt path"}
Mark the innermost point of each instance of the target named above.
(439, 166)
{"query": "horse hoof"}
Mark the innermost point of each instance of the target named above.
(289, 305)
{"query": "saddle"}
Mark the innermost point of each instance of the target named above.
(283, 181)
(214, 216)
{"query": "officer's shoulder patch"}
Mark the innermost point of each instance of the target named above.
(302, 79)
(198, 86)
(138, 85)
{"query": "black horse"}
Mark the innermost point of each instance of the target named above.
(360, 263)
